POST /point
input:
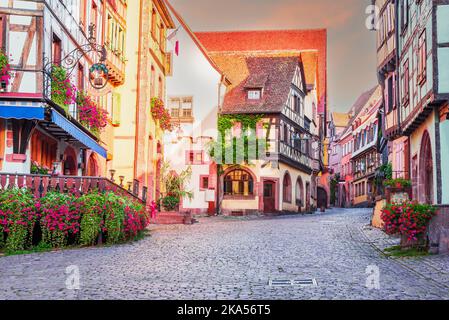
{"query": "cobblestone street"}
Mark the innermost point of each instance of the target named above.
(234, 258)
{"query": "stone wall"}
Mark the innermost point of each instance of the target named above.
(439, 231)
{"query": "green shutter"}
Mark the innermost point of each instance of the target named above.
(116, 106)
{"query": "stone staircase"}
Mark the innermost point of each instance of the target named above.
(173, 218)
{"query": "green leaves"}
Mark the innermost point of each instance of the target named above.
(243, 148)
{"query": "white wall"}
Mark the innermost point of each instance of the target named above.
(193, 76)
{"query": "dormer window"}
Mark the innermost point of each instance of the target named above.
(254, 94)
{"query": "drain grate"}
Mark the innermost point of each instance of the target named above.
(293, 283)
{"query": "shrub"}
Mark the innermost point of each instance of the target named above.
(170, 203)
(414, 220)
(60, 219)
(67, 220)
(92, 209)
(390, 216)
(410, 219)
(17, 219)
(113, 217)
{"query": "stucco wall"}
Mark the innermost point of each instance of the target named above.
(415, 146)
(444, 136)
(193, 76)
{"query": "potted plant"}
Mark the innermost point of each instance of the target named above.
(161, 114)
(410, 220)
(399, 183)
(63, 92)
(90, 114)
(174, 187)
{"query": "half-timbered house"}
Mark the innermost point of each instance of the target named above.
(275, 91)
(37, 131)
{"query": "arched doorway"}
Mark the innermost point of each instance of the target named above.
(70, 163)
(287, 188)
(322, 198)
(426, 170)
(92, 166)
(299, 191)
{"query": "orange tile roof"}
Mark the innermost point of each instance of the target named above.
(273, 74)
(276, 41)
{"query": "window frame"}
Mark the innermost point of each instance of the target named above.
(251, 184)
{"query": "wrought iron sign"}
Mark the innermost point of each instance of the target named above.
(98, 72)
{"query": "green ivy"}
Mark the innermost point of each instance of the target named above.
(333, 187)
(225, 123)
(91, 218)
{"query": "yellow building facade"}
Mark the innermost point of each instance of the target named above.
(137, 139)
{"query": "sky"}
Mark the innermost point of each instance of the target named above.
(351, 46)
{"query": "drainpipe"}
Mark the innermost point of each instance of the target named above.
(217, 188)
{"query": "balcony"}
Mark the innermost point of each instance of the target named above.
(115, 62)
(298, 157)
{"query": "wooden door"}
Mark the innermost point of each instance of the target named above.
(269, 196)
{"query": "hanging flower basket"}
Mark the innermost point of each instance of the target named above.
(90, 114)
(5, 71)
(161, 114)
(63, 92)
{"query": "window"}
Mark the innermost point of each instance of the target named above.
(405, 83)
(297, 104)
(238, 183)
(83, 6)
(94, 15)
(162, 37)
(160, 88)
(287, 189)
(56, 50)
(80, 76)
(43, 149)
(405, 12)
(2, 32)
(422, 58)
(153, 22)
(254, 94)
(153, 81)
(389, 94)
(181, 108)
(194, 157)
(204, 182)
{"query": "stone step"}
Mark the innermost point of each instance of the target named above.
(172, 218)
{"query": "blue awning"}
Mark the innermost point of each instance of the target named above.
(25, 112)
(77, 133)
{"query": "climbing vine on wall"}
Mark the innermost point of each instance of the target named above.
(238, 146)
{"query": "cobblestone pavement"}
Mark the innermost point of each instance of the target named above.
(234, 258)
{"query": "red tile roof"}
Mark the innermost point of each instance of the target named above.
(276, 73)
(276, 41)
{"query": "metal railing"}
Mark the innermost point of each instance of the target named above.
(40, 185)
